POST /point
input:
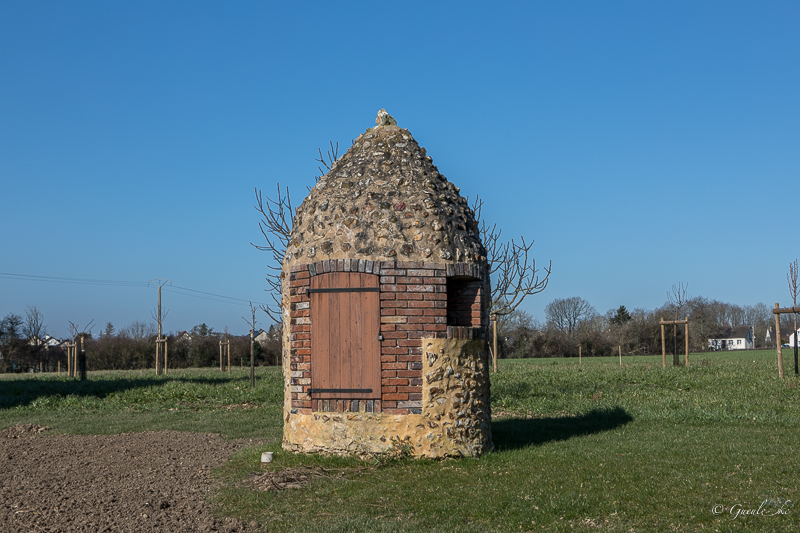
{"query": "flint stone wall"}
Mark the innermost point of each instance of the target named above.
(385, 199)
(455, 420)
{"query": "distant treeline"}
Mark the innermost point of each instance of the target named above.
(572, 324)
(132, 347)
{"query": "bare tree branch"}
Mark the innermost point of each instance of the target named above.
(566, 314)
(677, 300)
(277, 216)
(327, 160)
(34, 328)
(154, 314)
(791, 277)
(75, 330)
(511, 266)
(678, 297)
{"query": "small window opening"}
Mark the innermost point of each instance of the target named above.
(464, 301)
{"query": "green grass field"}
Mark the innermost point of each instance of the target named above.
(589, 447)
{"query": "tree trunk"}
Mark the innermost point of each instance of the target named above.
(795, 344)
(675, 359)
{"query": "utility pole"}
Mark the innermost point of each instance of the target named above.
(161, 366)
(224, 348)
(252, 344)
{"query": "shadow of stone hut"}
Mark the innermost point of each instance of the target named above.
(386, 288)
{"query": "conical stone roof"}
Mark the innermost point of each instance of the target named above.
(385, 200)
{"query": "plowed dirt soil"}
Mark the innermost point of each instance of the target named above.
(136, 482)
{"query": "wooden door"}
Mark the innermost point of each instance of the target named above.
(345, 324)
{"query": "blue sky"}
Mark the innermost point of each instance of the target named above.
(640, 144)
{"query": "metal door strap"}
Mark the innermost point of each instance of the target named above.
(340, 390)
(345, 289)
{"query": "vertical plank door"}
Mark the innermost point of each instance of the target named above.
(345, 324)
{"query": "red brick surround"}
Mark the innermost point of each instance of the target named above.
(413, 305)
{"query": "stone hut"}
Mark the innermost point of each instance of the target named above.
(385, 289)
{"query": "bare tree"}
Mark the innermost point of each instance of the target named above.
(565, 314)
(327, 160)
(34, 331)
(760, 316)
(791, 278)
(139, 331)
(512, 268)
(277, 215)
(677, 300)
(252, 325)
(10, 328)
(76, 331)
(618, 325)
(34, 328)
(161, 342)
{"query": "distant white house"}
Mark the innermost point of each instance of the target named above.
(261, 336)
(737, 338)
(792, 336)
(770, 334)
(48, 340)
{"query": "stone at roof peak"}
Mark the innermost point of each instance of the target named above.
(385, 119)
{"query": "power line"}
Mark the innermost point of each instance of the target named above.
(208, 298)
(82, 281)
(221, 298)
(212, 294)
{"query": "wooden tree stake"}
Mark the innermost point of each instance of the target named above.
(663, 344)
(778, 340)
(686, 335)
(494, 355)
(252, 346)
